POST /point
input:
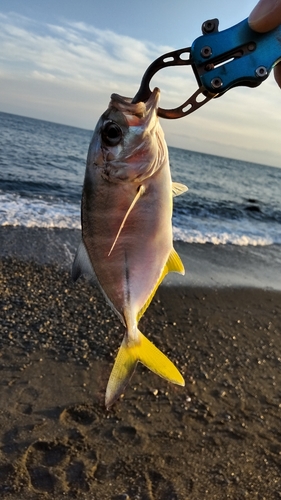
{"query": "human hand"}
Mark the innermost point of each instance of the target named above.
(264, 17)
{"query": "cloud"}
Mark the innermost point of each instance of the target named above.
(65, 72)
(73, 51)
(76, 58)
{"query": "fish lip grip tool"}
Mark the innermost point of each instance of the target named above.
(237, 56)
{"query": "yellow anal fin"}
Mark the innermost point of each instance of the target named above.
(178, 188)
(127, 358)
(173, 265)
(140, 192)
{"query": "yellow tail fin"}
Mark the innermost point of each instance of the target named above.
(127, 358)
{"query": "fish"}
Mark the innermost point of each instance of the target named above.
(126, 218)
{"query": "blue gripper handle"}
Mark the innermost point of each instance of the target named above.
(235, 56)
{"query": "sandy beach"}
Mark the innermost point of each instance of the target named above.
(218, 438)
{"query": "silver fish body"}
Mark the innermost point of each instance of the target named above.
(126, 226)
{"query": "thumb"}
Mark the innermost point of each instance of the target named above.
(265, 16)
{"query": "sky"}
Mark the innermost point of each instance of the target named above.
(61, 60)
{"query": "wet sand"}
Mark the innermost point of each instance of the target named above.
(206, 265)
(217, 438)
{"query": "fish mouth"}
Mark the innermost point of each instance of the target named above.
(153, 100)
(138, 109)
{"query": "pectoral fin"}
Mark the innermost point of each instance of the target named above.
(140, 192)
(178, 188)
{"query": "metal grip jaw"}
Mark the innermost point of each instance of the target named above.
(220, 61)
(179, 57)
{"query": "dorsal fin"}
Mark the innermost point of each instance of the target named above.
(173, 265)
(82, 264)
(140, 192)
(178, 188)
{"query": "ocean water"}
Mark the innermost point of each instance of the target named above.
(42, 166)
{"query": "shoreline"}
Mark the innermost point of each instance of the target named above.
(217, 438)
(206, 265)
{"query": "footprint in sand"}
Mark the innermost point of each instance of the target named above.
(80, 414)
(126, 434)
(159, 487)
(56, 467)
(41, 459)
(26, 400)
(7, 478)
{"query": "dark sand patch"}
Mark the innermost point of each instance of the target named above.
(217, 438)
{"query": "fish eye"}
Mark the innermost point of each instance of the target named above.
(111, 134)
